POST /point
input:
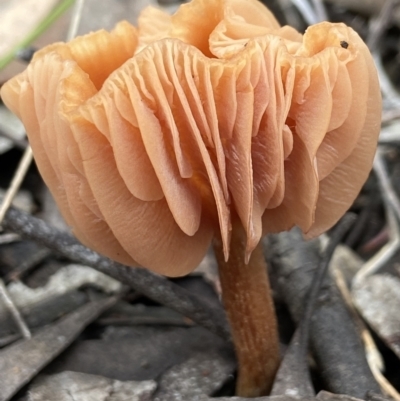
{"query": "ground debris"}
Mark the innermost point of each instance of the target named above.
(137, 339)
(43, 347)
(125, 314)
(321, 396)
(42, 313)
(12, 131)
(66, 279)
(342, 364)
(138, 352)
(72, 386)
(145, 282)
(204, 373)
(377, 298)
(326, 396)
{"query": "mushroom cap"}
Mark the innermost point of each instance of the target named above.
(153, 139)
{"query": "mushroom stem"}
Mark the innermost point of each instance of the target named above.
(247, 299)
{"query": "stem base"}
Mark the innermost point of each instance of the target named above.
(247, 299)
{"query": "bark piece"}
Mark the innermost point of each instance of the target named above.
(155, 287)
(335, 342)
(378, 299)
(20, 362)
(71, 386)
(44, 312)
(138, 353)
(203, 374)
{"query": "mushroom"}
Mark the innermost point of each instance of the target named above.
(211, 125)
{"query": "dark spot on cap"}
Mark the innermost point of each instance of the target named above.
(344, 44)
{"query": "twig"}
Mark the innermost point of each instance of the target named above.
(376, 29)
(390, 131)
(379, 24)
(307, 12)
(293, 377)
(388, 192)
(320, 10)
(291, 16)
(390, 94)
(384, 254)
(8, 237)
(364, 217)
(28, 155)
(374, 357)
(389, 115)
(144, 321)
(392, 205)
(4, 341)
(18, 143)
(23, 327)
(372, 353)
(153, 286)
(341, 363)
(319, 277)
(16, 181)
(76, 19)
(27, 265)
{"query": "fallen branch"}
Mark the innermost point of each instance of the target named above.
(153, 286)
(335, 342)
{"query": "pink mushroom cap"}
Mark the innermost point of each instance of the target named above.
(152, 139)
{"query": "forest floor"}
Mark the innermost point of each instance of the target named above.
(75, 328)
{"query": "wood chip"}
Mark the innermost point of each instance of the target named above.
(378, 299)
(20, 362)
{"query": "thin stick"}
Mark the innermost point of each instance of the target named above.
(337, 235)
(372, 353)
(389, 91)
(76, 19)
(380, 24)
(16, 181)
(383, 255)
(306, 11)
(14, 311)
(290, 14)
(18, 143)
(8, 238)
(28, 155)
(392, 207)
(27, 265)
(152, 285)
(320, 10)
(384, 182)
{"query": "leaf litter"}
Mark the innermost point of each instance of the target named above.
(174, 361)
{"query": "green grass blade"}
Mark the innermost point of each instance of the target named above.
(53, 16)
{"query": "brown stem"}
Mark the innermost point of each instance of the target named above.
(247, 299)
